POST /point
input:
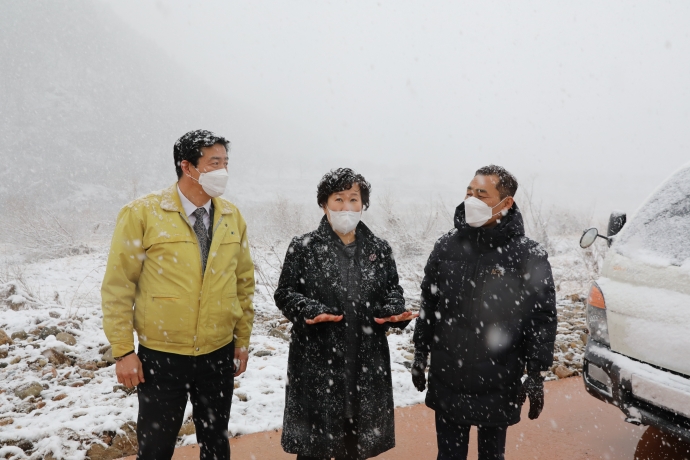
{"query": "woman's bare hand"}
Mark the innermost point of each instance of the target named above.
(408, 315)
(325, 317)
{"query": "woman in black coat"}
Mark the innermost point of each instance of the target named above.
(339, 288)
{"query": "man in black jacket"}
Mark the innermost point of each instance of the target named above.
(488, 313)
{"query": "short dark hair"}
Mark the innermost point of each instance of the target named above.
(507, 183)
(338, 180)
(188, 147)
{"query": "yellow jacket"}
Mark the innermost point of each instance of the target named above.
(153, 282)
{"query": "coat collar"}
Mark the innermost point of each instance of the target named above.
(364, 234)
(170, 201)
(368, 250)
(486, 239)
(368, 246)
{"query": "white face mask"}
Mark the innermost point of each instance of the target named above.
(344, 222)
(213, 182)
(477, 213)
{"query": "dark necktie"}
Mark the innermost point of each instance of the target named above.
(202, 235)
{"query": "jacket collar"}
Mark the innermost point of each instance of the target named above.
(170, 201)
(326, 231)
(486, 239)
(189, 207)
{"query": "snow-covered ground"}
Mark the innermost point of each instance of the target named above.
(59, 397)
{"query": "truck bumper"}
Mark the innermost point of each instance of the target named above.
(647, 395)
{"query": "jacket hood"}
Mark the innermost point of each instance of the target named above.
(511, 226)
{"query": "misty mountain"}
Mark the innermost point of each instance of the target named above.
(90, 110)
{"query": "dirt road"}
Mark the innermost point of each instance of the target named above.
(573, 426)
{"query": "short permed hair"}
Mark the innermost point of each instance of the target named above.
(507, 183)
(338, 180)
(188, 147)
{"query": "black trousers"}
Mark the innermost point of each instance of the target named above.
(453, 440)
(207, 380)
(351, 446)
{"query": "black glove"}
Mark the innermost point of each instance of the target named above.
(417, 370)
(533, 386)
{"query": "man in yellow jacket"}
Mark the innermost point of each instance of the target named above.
(180, 274)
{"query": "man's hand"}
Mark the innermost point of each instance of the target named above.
(408, 315)
(129, 371)
(417, 370)
(533, 386)
(241, 358)
(323, 318)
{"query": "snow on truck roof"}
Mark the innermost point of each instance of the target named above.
(659, 232)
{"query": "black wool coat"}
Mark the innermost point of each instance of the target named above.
(488, 311)
(310, 284)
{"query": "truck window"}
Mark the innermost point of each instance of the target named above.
(660, 231)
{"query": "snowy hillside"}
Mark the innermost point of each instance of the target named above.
(58, 391)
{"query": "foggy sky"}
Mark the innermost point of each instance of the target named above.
(589, 100)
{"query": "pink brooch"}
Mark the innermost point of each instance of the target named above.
(372, 257)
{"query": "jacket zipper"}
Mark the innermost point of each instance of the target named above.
(201, 270)
(475, 280)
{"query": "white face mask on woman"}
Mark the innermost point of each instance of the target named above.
(213, 182)
(344, 222)
(477, 213)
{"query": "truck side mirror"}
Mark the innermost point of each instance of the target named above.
(616, 222)
(588, 237)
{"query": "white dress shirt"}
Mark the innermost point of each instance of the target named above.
(190, 207)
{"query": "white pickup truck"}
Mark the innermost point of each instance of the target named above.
(638, 312)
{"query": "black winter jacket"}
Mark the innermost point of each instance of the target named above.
(310, 284)
(488, 310)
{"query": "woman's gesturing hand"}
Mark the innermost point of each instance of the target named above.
(325, 317)
(408, 315)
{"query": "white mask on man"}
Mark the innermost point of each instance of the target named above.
(477, 213)
(213, 182)
(344, 222)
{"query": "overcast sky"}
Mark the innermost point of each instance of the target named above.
(589, 99)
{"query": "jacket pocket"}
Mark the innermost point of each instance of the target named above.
(168, 319)
(451, 282)
(449, 370)
(501, 295)
(223, 258)
(224, 313)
